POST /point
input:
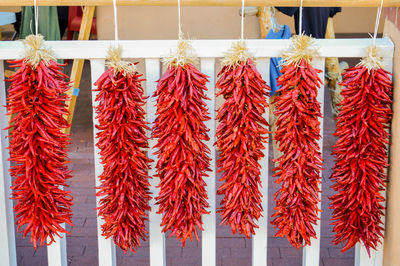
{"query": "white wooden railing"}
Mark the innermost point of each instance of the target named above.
(152, 51)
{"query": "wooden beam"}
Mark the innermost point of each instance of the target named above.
(77, 66)
(342, 3)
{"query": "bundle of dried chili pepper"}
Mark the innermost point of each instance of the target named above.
(122, 142)
(241, 135)
(297, 134)
(38, 147)
(183, 157)
(361, 153)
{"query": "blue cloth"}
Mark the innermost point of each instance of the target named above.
(7, 18)
(274, 68)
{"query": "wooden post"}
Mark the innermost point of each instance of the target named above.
(77, 66)
(392, 229)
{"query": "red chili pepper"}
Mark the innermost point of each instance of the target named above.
(361, 157)
(122, 142)
(241, 135)
(183, 157)
(38, 149)
(298, 131)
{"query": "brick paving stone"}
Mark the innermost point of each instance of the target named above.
(236, 261)
(231, 242)
(338, 261)
(290, 252)
(241, 252)
(273, 252)
(286, 262)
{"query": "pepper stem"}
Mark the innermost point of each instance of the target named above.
(35, 51)
(300, 48)
(373, 59)
(114, 61)
(237, 54)
(184, 53)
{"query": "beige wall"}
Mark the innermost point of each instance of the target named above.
(209, 22)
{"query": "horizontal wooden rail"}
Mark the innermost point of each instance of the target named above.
(203, 48)
(342, 3)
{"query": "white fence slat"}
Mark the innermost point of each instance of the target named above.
(361, 255)
(57, 251)
(203, 48)
(106, 247)
(311, 254)
(157, 238)
(7, 233)
(260, 239)
(208, 240)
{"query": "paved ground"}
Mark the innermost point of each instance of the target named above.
(231, 250)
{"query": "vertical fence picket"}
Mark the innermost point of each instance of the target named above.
(7, 233)
(157, 238)
(57, 251)
(208, 240)
(260, 239)
(361, 257)
(311, 254)
(106, 247)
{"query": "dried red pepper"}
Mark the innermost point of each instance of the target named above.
(298, 132)
(38, 147)
(241, 137)
(361, 155)
(122, 142)
(183, 157)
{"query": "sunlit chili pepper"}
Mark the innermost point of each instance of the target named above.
(38, 148)
(298, 172)
(183, 157)
(241, 137)
(122, 142)
(361, 156)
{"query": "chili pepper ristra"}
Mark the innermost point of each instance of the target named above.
(183, 157)
(361, 153)
(38, 147)
(297, 134)
(122, 141)
(241, 137)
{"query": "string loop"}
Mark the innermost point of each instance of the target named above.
(242, 22)
(36, 15)
(115, 20)
(301, 18)
(180, 34)
(378, 18)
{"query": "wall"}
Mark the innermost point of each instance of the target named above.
(392, 234)
(209, 22)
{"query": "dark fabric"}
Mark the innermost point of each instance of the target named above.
(62, 12)
(314, 21)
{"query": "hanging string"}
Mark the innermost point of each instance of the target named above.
(179, 21)
(242, 26)
(378, 18)
(36, 15)
(301, 18)
(115, 20)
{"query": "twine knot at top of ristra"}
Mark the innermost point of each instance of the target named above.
(35, 51)
(300, 48)
(237, 54)
(114, 61)
(184, 54)
(373, 59)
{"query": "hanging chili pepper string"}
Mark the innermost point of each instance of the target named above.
(297, 134)
(38, 146)
(241, 137)
(183, 156)
(361, 152)
(301, 18)
(125, 187)
(115, 21)
(242, 22)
